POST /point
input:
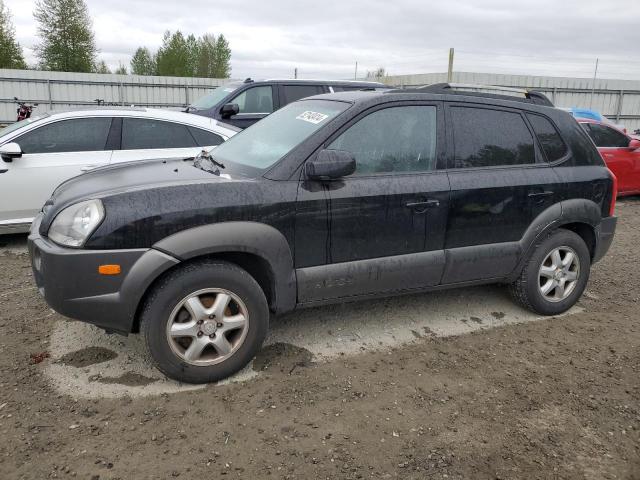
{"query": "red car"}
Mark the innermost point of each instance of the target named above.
(620, 152)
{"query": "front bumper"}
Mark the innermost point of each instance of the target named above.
(70, 283)
(604, 237)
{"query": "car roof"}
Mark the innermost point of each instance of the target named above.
(138, 112)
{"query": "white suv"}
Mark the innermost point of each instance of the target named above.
(41, 152)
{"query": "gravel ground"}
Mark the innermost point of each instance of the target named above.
(504, 397)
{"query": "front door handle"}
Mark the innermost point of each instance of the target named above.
(422, 205)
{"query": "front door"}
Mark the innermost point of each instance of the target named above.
(52, 154)
(385, 223)
(254, 104)
(500, 182)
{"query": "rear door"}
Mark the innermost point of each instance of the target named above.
(614, 148)
(385, 222)
(52, 154)
(147, 138)
(500, 182)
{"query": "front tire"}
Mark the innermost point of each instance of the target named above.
(204, 322)
(555, 275)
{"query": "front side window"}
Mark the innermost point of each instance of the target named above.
(267, 141)
(606, 137)
(396, 139)
(145, 134)
(549, 138)
(74, 135)
(490, 138)
(291, 93)
(255, 100)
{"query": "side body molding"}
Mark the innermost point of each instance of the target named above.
(255, 238)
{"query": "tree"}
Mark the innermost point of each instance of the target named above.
(222, 68)
(379, 73)
(174, 57)
(206, 56)
(67, 40)
(121, 70)
(10, 51)
(143, 63)
(101, 67)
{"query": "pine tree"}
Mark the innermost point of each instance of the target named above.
(67, 40)
(173, 57)
(206, 56)
(101, 67)
(10, 51)
(222, 65)
(121, 70)
(143, 63)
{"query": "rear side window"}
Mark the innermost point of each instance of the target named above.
(76, 135)
(292, 93)
(204, 138)
(396, 139)
(549, 138)
(489, 138)
(605, 136)
(144, 134)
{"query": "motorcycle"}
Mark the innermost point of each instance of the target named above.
(24, 110)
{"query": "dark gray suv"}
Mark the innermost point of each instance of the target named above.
(244, 103)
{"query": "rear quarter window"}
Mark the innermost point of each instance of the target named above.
(550, 140)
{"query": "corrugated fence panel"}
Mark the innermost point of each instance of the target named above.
(60, 90)
(562, 91)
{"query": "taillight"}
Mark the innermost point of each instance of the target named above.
(614, 194)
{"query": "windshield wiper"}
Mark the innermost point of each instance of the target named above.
(204, 161)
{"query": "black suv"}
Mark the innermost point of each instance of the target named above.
(244, 103)
(333, 198)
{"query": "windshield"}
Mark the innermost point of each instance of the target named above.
(212, 99)
(15, 126)
(267, 141)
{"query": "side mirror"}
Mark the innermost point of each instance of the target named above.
(331, 164)
(229, 109)
(634, 144)
(9, 151)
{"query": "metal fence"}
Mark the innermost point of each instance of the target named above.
(618, 100)
(60, 90)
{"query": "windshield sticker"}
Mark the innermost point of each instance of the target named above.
(312, 117)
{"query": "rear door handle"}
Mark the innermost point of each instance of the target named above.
(88, 168)
(546, 193)
(423, 205)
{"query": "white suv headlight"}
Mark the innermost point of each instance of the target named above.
(73, 225)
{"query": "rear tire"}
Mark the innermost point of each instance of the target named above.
(204, 322)
(555, 275)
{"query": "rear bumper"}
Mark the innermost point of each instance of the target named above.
(70, 283)
(604, 237)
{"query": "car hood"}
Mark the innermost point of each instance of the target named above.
(126, 177)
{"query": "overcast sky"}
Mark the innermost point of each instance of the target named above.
(325, 39)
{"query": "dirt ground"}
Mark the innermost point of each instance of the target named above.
(551, 399)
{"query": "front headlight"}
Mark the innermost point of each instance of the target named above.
(73, 225)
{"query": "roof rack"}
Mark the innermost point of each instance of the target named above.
(491, 91)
